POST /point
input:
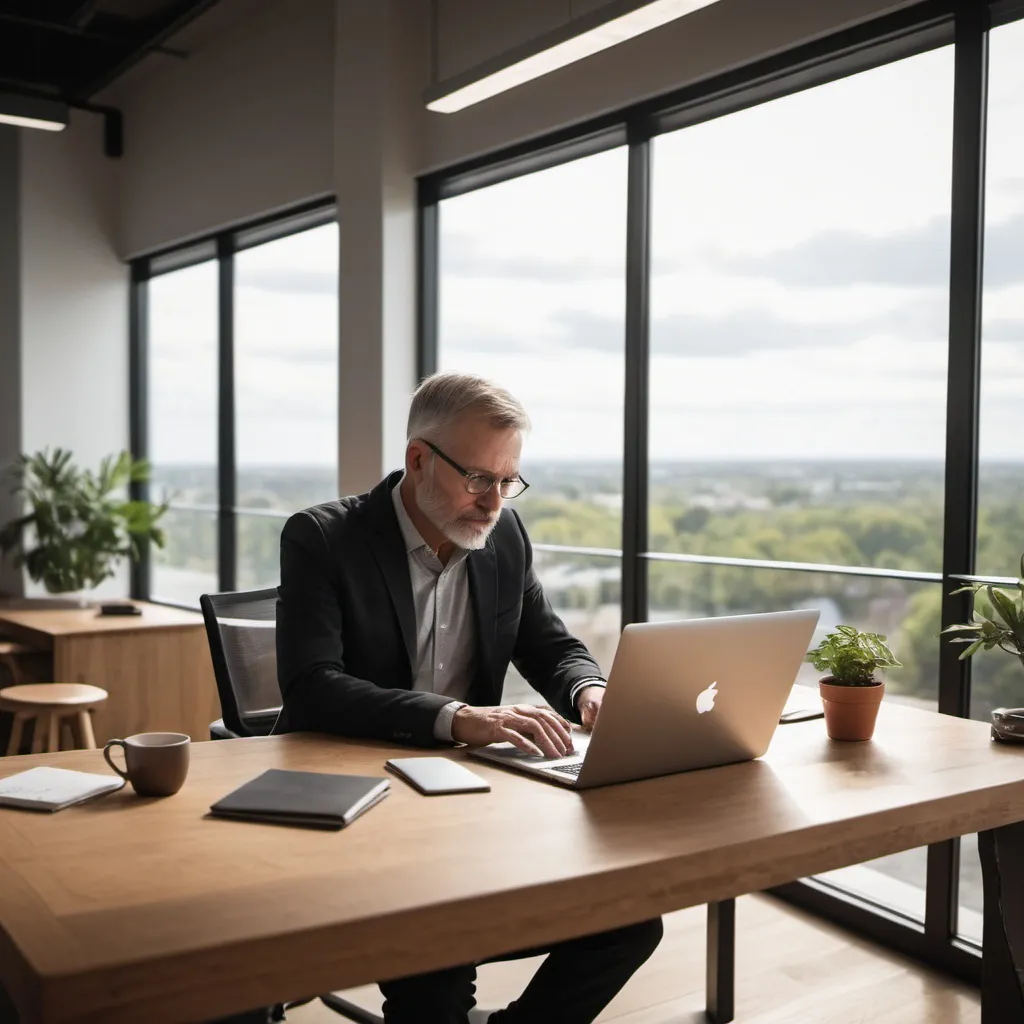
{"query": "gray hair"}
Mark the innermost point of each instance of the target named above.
(443, 397)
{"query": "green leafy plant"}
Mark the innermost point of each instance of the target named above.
(851, 657)
(79, 524)
(1004, 628)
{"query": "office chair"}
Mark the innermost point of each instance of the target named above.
(242, 632)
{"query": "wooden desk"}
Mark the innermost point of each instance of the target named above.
(127, 910)
(156, 666)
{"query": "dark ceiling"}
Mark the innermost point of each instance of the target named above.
(73, 48)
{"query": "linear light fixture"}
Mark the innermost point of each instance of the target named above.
(609, 25)
(33, 112)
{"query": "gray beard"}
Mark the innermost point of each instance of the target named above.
(459, 533)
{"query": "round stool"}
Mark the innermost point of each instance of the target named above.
(9, 654)
(49, 704)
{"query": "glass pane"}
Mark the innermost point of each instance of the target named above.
(182, 385)
(1001, 473)
(585, 591)
(972, 904)
(532, 296)
(286, 371)
(187, 566)
(907, 613)
(259, 546)
(800, 261)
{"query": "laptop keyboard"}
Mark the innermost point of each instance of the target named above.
(569, 769)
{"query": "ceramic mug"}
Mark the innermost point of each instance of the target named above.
(156, 763)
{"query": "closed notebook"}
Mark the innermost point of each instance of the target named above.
(52, 789)
(310, 799)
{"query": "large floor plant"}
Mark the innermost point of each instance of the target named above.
(78, 524)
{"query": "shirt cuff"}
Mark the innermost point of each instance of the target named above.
(443, 722)
(582, 684)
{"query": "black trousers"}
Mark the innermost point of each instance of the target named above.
(575, 983)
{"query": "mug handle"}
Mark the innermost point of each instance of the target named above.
(110, 760)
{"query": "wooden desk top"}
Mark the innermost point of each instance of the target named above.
(42, 626)
(127, 909)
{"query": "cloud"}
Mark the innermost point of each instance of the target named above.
(744, 330)
(292, 281)
(462, 256)
(917, 258)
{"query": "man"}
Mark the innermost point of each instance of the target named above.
(399, 611)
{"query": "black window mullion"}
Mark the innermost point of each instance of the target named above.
(970, 102)
(227, 543)
(428, 280)
(635, 455)
(138, 409)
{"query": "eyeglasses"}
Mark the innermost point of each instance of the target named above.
(481, 483)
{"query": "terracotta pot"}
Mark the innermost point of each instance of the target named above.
(850, 711)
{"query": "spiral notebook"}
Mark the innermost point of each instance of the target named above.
(309, 799)
(52, 789)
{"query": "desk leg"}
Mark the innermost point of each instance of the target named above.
(1002, 965)
(721, 961)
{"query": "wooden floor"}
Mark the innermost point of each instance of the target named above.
(791, 968)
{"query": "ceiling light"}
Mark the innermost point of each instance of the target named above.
(608, 26)
(33, 112)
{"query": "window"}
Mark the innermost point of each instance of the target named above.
(532, 296)
(286, 390)
(182, 428)
(225, 520)
(799, 295)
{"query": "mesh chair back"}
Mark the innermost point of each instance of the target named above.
(242, 631)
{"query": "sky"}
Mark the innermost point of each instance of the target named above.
(799, 291)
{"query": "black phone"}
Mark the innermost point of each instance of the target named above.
(433, 776)
(800, 715)
(119, 608)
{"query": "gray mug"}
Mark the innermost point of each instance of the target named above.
(156, 763)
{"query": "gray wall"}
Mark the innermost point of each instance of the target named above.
(63, 301)
(10, 327)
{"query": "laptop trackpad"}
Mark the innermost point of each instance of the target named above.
(508, 752)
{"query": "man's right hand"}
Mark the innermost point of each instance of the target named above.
(532, 729)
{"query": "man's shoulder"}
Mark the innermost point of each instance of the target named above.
(334, 520)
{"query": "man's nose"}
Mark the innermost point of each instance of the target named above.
(490, 499)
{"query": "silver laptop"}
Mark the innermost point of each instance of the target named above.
(682, 695)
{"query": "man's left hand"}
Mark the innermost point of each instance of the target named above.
(588, 703)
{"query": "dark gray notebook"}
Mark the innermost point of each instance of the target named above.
(310, 799)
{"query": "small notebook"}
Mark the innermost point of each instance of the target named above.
(51, 789)
(310, 799)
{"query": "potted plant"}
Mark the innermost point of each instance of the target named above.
(851, 692)
(78, 524)
(1003, 629)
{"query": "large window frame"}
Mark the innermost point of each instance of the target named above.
(223, 247)
(965, 24)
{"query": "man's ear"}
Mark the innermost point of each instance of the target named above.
(414, 459)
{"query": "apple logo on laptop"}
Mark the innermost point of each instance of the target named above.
(706, 698)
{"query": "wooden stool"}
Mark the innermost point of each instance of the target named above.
(9, 654)
(49, 704)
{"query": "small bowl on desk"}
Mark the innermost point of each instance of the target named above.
(1008, 725)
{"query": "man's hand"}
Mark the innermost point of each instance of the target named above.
(588, 703)
(533, 730)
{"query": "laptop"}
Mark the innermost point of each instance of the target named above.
(681, 695)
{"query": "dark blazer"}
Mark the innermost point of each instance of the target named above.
(346, 628)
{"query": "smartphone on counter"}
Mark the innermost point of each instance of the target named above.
(434, 776)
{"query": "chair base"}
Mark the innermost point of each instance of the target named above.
(361, 1016)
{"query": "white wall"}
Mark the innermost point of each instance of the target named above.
(74, 297)
(240, 128)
